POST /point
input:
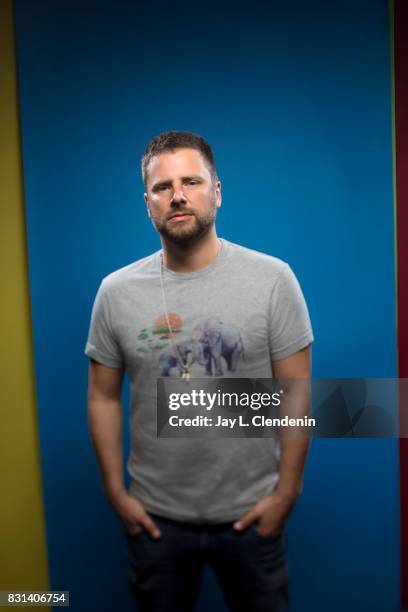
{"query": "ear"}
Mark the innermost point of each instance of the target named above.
(147, 205)
(218, 194)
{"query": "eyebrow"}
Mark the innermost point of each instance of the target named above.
(184, 179)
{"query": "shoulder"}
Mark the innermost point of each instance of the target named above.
(258, 262)
(136, 271)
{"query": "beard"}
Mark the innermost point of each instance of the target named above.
(189, 231)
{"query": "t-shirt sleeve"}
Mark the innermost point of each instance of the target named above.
(290, 328)
(101, 344)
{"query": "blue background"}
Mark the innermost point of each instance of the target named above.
(295, 100)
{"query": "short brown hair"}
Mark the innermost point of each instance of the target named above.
(172, 140)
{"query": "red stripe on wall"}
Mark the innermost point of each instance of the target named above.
(401, 143)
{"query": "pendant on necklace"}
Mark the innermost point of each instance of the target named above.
(185, 375)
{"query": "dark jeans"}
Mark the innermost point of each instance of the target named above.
(165, 574)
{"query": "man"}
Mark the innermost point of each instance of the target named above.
(200, 307)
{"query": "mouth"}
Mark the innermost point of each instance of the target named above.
(177, 217)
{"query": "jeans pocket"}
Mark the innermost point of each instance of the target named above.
(268, 537)
(134, 535)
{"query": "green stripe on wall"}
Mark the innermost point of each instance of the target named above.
(23, 550)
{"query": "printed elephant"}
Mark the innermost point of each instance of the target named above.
(170, 358)
(215, 341)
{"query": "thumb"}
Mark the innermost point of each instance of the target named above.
(150, 526)
(246, 520)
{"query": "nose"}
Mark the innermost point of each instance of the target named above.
(178, 197)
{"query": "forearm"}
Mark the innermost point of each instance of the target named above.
(294, 440)
(274, 509)
(105, 425)
(292, 462)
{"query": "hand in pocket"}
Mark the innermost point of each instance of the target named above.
(133, 516)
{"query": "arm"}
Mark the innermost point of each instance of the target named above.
(272, 511)
(293, 449)
(105, 425)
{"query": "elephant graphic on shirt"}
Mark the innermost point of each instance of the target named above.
(170, 358)
(214, 340)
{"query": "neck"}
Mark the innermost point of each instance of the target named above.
(191, 257)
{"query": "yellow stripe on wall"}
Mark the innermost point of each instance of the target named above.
(23, 550)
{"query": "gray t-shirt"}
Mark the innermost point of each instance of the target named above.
(254, 303)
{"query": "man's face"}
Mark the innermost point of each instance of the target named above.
(181, 196)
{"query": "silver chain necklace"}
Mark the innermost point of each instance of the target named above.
(184, 370)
